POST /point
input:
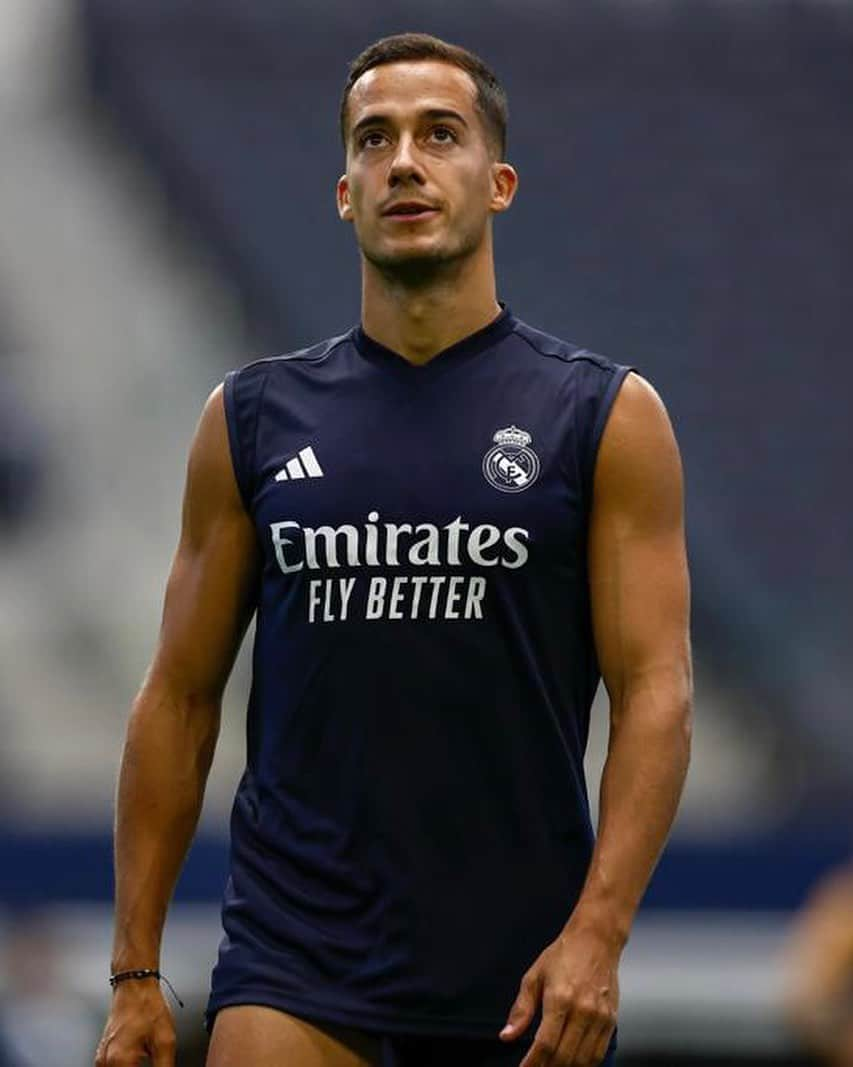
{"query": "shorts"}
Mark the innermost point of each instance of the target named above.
(399, 1051)
(421, 1050)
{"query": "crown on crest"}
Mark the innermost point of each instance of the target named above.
(513, 436)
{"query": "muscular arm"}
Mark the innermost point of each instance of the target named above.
(639, 595)
(174, 721)
(639, 590)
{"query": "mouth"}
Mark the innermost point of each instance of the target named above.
(410, 212)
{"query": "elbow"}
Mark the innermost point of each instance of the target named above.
(660, 700)
(681, 702)
(684, 721)
(687, 731)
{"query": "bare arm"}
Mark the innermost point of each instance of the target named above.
(639, 595)
(174, 722)
(639, 589)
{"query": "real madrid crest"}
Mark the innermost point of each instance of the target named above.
(511, 465)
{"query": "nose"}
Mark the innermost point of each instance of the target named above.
(404, 163)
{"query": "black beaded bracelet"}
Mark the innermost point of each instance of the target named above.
(144, 972)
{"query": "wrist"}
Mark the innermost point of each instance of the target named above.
(144, 955)
(607, 927)
(140, 975)
(146, 988)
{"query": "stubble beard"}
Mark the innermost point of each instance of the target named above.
(420, 269)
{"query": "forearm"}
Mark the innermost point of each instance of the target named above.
(641, 785)
(167, 756)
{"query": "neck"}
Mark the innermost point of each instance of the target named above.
(418, 317)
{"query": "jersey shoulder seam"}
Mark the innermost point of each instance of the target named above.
(316, 353)
(580, 353)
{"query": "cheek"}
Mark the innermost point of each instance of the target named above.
(364, 197)
(474, 198)
(476, 186)
(356, 187)
(354, 195)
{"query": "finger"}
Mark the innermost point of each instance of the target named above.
(116, 1058)
(523, 1009)
(163, 1049)
(592, 1047)
(575, 1034)
(548, 1037)
(111, 1055)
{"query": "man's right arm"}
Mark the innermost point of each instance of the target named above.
(174, 721)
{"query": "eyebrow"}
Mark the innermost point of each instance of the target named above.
(429, 113)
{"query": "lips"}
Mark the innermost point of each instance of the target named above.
(409, 207)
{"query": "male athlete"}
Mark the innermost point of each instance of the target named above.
(450, 525)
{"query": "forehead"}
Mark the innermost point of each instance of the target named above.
(402, 87)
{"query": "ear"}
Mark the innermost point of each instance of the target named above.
(504, 186)
(342, 197)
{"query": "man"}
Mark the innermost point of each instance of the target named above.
(448, 523)
(818, 990)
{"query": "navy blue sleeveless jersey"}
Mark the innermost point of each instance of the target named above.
(412, 828)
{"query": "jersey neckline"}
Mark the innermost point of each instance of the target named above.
(485, 337)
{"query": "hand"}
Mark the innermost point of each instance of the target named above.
(577, 981)
(818, 968)
(140, 1025)
(845, 1055)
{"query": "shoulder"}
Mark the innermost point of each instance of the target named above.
(638, 418)
(315, 354)
(244, 387)
(638, 467)
(559, 351)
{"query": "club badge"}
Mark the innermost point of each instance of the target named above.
(511, 465)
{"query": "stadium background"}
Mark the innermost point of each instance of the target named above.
(167, 212)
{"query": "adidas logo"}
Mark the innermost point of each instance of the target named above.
(304, 464)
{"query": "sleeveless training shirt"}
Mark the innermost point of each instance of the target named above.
(412, 828)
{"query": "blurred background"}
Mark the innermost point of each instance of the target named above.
(167, 213)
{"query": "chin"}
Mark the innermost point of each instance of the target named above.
(406, 258)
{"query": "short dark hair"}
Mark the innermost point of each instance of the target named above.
(490, 101)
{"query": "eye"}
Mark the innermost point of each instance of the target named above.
(445, 129)
(373, 133)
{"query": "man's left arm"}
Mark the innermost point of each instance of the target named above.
(640, 595)
(640, 602)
